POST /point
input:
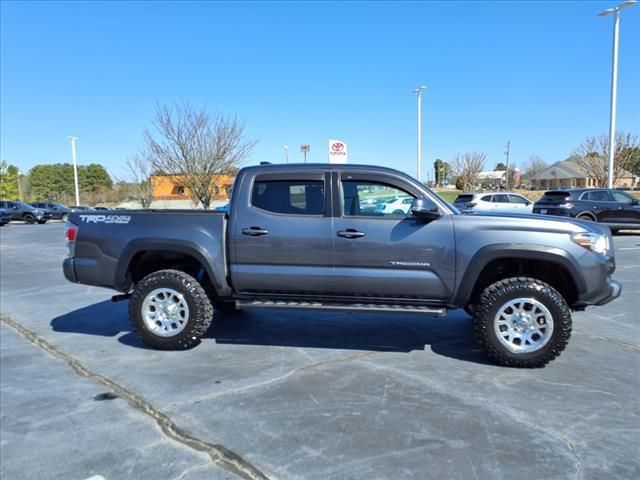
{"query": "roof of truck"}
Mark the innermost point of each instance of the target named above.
(324, 166)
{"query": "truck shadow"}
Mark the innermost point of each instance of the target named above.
(451, 336)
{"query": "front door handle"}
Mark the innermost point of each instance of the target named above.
(350, 233)
(254, 231)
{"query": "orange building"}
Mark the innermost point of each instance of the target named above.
(171, 187)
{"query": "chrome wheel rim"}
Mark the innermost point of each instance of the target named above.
(165, 312)
(523, 325)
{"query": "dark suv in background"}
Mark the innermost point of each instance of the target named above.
(58, 211)
(25, 212)
(616, 209)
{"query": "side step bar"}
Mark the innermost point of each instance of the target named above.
(352, 307)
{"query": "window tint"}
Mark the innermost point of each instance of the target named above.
(364, 198)
(293, 197)
(597, 196)
(500, 199)
(517, 199)
(463, 198)
(621, 197)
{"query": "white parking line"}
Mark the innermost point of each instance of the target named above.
(628, 248)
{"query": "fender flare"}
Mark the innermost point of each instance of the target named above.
(489, 253)
(167, 245)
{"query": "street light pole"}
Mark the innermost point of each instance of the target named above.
(418, 91)
(286, 153)
(75, 168)
(614, 84)
(506, 178)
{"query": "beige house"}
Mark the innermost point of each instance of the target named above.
(568, 174)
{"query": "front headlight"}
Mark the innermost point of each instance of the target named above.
(596, 242)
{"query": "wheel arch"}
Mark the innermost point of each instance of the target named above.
(128, 268)
(552, 265)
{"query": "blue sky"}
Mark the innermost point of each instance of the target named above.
(535, 73)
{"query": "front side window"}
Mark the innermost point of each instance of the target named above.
(621, 197)
(291, 197)
(373, 199)
(517, 199)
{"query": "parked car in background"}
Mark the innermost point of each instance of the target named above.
(5, 216)
(58, 211)
(25, 212)
(102, 208)
(397, 206)
(81, 208)
(493, 203)
(616, 209)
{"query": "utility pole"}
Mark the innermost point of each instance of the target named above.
(418, 91)
(614, 84)
(75, 168)
(506, 179)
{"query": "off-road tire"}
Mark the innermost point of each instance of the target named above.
(225, 307)
(200, 309)
(496, 295)
(29, 218)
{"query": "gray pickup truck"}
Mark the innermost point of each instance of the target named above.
(347, 238)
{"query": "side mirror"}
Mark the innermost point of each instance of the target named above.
(424, 208)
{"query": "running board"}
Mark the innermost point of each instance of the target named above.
(351, 307)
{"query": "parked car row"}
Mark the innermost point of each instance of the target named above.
(612, 207)
(41, 212)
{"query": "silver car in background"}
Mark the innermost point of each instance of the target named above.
(504, 202)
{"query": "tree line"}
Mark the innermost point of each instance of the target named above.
(54, 182)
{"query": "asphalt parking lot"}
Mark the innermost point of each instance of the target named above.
(290, 395)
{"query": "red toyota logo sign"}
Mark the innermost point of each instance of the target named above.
(337, 147)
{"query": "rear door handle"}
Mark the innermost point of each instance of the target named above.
(350, 233)
(254, 231)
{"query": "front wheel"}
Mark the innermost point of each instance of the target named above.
(522, 322)
(29, 218)
(169, 310)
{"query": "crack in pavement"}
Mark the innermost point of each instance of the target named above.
(220, 455)
(279, 378)
(610, 340)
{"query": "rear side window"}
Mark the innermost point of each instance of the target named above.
(487, 198)
(290, 197)
(501, 199)
(597, 196)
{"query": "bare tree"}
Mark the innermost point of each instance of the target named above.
(467, 167)
(534, 166)
(197, 147)
(140, 167)
(592, 155)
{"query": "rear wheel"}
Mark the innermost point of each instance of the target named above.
(29, 218)
(169, 310)
(586, 217)
(398, 212)
(64, 217)
(522, 322)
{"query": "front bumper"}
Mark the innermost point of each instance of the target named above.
(614, 290)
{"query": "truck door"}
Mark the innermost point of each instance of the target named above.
(387, 254)
(281, 240)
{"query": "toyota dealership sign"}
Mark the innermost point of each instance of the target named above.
(337, 151)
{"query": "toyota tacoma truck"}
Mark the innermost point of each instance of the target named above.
(306, 237)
